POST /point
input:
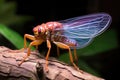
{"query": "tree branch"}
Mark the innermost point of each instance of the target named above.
(33, 68)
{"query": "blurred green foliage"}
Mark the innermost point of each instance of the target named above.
(8, 14)
(8, 20)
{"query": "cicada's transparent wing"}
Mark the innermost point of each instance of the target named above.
(78, 42)
(84, 29)
(86, 26)
(81, 43)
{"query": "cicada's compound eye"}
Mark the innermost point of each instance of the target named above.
(39, 30)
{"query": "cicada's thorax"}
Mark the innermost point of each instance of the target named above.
(47, 31)
(49, 26)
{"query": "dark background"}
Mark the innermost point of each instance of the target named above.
(47, 10)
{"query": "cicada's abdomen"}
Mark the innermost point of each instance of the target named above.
(70, 42)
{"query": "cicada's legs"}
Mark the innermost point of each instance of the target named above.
(33, 43)
(64, 46)
(48, 53)
(27, 36)
(58, 51)
(75, 55)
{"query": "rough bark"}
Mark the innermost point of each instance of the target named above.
(33, 68)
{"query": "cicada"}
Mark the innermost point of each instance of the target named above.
(73, 33)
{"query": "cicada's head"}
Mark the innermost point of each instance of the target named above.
(35, 30)
(38, 30)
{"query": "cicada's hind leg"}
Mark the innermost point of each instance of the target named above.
(64, 46)
(58, 51)
(75, 55)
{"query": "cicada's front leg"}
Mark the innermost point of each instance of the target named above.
(48, 53)
(27, 36)
(33, 43)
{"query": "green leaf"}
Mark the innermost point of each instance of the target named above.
(12, 36)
